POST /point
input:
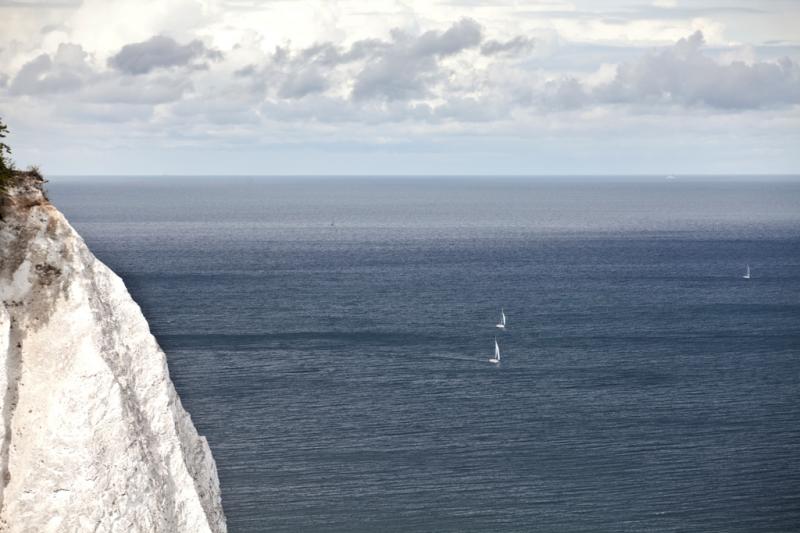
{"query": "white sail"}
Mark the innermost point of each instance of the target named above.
(502, 324)
(747, 274)
(496, 358)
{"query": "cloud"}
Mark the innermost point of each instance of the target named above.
(69, 75)
(38, 4)
(517, 45)
(573, 74)
(644, 12)
(404, 66)
(149, 91)
(465, 33)
(160, 52)
(396, 77)
(442, 75)
(419, 68)
(564, 94)
(68, 70)
(302, 83)
(471, 109)
(683, 75)
(408, 66)
(449, 76)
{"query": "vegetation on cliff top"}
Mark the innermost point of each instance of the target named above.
(6, 164)
(8, 171)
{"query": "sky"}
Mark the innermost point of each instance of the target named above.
(385, 87)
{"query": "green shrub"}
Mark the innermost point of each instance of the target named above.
(6, 164)
(34, 171)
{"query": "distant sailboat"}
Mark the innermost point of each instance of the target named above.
(496, 358)
(502, 324)
(747, 274)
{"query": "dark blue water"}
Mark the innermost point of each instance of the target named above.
(331, 336)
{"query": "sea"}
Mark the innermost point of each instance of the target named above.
(330, 336)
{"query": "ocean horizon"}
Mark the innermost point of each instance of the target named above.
(450, 266)
(332, 343)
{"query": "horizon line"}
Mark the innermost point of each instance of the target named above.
(371, 175)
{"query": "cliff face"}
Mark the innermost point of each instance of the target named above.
(93, 436)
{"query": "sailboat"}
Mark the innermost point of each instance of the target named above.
(502, 324)
(496, 358)
(747, 274)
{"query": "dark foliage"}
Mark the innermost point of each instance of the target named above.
(6, 164)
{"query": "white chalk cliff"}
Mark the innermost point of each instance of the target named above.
(93, 436)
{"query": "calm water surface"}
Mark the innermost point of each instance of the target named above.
(330, 337)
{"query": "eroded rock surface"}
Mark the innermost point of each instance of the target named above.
(93, 436)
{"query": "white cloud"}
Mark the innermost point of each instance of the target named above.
(517, 45)
(161, 52)
(247, 71)
(407, 66)
(683, 75)
(66, 71)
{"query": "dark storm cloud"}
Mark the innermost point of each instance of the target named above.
(160, 52)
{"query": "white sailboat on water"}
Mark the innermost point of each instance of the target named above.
(496, 358)
(502, 324)
(747, 274)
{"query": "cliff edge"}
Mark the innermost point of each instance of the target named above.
(93, 436)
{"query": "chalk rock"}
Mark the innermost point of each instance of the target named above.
(93, 435)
